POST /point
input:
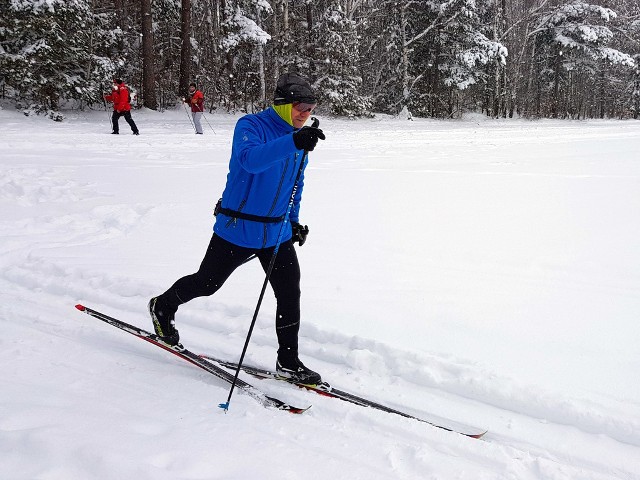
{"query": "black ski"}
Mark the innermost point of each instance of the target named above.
(327, 390)
(196, 360)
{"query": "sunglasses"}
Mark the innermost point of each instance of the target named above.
(304, 107)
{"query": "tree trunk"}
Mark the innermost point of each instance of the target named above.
(435, 88)
(148, 58)
(120, 14)
(494, 104)
(286, 34)
(636, 110)
(310, 44)
(277, 42)
(185, 50)
(260, 48)
(555, 103)
(404, 62)
(601, 103)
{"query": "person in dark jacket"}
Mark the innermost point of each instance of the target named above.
(196, 100)
(268, 151)
(121, 106)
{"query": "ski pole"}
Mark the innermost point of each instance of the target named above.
(107, 111)
(205, 119)
(272, 262)
(190, 119)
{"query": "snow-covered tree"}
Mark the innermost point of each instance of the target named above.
(439, 58)
(442, 52)
(575, 27)
(336, 61)
(242, 41)
(55, 50)
(242, 29)
(573, 43)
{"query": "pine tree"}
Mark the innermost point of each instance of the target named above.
(436, 58)
(55, 51)
(241, 40)
(338, 81)
(573, 43)
(444, 52)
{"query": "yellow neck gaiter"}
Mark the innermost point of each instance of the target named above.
(285, 112)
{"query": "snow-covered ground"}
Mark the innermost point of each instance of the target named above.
(484, 271)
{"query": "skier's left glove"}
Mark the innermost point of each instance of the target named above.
(307, 137)
(299, 233)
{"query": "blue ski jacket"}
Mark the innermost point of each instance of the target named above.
(262, 172)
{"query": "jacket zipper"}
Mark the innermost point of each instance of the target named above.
(275, 200)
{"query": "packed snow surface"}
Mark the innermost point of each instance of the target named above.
(486, 271)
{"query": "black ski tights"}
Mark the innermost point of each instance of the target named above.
(219, 262)
(127, 117)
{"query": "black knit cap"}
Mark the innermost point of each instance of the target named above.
(293, 88)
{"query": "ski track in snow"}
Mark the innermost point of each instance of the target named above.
(53, 220)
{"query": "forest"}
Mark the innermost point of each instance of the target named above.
(431, 58)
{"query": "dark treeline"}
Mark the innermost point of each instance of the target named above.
(437, 58)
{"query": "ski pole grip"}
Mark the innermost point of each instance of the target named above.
(315, 122)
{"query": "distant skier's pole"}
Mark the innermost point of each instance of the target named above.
(205, 119)
(189, 115)
(106, 110)
(225, 405)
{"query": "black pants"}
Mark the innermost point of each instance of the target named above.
(219, 262)
(127, 117)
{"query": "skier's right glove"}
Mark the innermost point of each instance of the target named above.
(299, 233)
(307, 138)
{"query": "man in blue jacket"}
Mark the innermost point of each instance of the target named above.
(267, 158)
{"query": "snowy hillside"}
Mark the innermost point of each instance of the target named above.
(483, 271)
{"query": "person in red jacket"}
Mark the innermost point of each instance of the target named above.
(121, 106)
(196, 100)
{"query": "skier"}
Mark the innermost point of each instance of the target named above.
(267, 151)
(196, 100)
(121, 106)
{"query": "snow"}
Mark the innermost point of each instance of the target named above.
(483, 271)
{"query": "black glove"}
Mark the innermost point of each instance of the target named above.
(299, 233)
(307, 137)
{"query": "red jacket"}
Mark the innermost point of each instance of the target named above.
(197, 101)
(120, 98)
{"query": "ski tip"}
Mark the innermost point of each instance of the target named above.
(82, 308)
(224, 406)
(296, 410)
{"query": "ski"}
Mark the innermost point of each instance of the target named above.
(194, 359)
(327, 390)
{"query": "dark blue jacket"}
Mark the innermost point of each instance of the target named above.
(262, 172)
